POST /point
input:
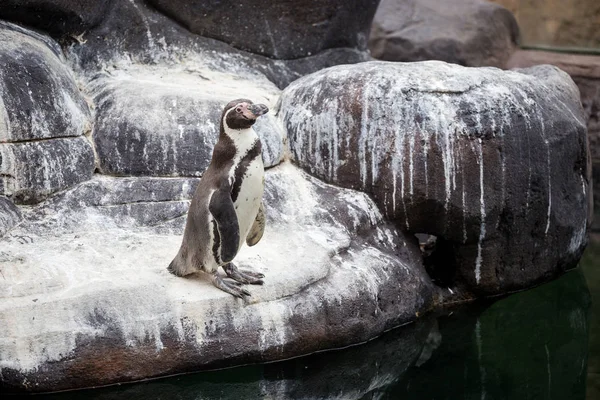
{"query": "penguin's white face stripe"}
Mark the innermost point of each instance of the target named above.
(243, 139)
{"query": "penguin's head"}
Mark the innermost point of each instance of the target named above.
(242, 113)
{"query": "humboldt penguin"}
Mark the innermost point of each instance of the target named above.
(227, 209)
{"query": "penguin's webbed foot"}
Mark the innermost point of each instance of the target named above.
(231, 287)
(242, 276)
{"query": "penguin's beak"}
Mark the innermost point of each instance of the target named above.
(258, 109)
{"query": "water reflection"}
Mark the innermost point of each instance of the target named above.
(590, 264)
(532, 345)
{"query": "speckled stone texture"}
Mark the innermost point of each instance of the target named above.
(108, 311)
(474, 33)
(32, 171)
(284, 29)
(42, 117)
(10, 215)
(165, 121)
(493, 163)
(585, 71)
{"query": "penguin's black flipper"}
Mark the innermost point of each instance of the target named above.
(227, 235)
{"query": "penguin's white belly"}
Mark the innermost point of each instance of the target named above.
(249, 197)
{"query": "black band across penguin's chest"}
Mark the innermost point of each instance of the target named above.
(242, 167)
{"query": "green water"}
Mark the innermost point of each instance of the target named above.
(531, 345)
(590, 264)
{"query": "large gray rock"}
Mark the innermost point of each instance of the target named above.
(39, 97)
(147, 36)
(57, 17)
(493, 163)
(336, 274)
(32, 171)
(159, 204)
(10, 215)
(585, 71)
(165, 122)
(39, 100)
(283, 29)
(468, 32)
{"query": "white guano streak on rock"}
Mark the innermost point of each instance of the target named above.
(362, 139)
(335, 147)
(540, 117)
(425, 141)
(411, 165)
(478, 260)
(271, 37)
(5, 128)
(273, 317)
(444, 129)
(8, 171)
(577, 239)
(398, 163)
(151, 44)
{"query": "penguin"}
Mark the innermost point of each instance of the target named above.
(227, 208)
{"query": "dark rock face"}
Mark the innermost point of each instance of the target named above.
(166, 123)
(585, 71)
(42, 118)
(39, 98)
(9, 215)
(283, 29)
(32, 171)
(57, 17)
(463, 154)
(148, 36)
(467, 32)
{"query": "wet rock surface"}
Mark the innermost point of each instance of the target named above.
(441, 152)
(106, 294)
(474, 33)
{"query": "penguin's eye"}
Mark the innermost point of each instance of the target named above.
(238, 110)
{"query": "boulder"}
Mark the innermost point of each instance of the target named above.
(39, 97)
(10, 215)
(358, 372)
(567, 24)
(43, 116)
(147, 36)
(285, 29)
(106, 310)
(585, 71)
(159, 204)
(57, 17)
(32, 171)
(165, 122)
(493, 163)
(468, 32)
